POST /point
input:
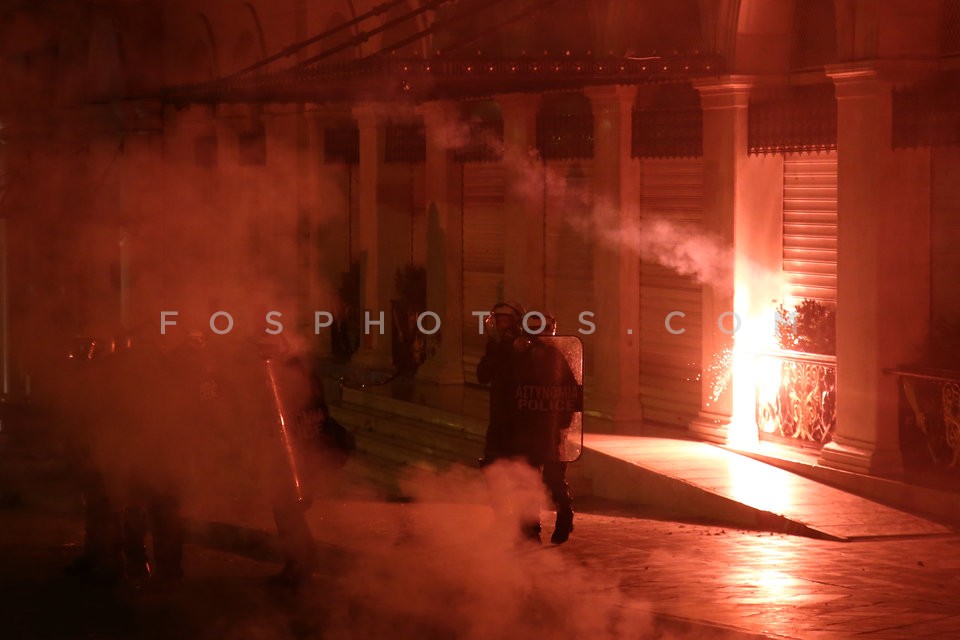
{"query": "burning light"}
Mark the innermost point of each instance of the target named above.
(750, 371)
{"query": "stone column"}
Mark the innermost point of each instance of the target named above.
(743, 212)
(883, 269)
(523, 201)
(444, 246)
(328, 186)
(616, 271)
(376, 266)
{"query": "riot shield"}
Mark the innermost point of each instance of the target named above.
(306, 434)
(549, 390)
(285, 429)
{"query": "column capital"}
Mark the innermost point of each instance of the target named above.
(368, 114)
(518, 102)
(726, 92)
(612, 94)
(438, 111)
(906, 70)
(376, 113)
(328, 113)
(856, 79)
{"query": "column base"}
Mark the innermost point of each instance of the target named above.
(711, 427)
(441, 372)
(857, 458)
(372, 359)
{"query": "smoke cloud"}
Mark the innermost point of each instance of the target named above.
(447, 565)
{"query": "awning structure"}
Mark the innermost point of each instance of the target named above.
(299, 73)
(416, 80)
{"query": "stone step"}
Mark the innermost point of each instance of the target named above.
(445, 421)
(382, 475)
(389, 443)
(412, 440)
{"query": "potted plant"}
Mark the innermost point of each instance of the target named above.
(811, 327)
(345, 331)
(408, 343)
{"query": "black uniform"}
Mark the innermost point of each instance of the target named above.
(533, 395)
(126, 478)
(150, 458)
(82, 411)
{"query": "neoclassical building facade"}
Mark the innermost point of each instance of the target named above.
(676, 170)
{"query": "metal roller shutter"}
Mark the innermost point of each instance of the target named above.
(669, 389)
(483, 257)
(810, 227)
(568, 254)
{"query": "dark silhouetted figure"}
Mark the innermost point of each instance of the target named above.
(307, 447)
(121, 396)
(526, 416)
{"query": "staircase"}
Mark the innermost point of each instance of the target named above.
(397, 431)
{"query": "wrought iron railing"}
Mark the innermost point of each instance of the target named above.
(341, 144)
(485, 143)
(929, 418)
(793, 120)
(565, 137)
(406, 143)
(797, 398)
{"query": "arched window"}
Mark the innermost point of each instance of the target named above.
(814, 37)
(198, 63)
(565, 127)
(950, 28)
(244, 51)
(106, 62)
(484, 120)
(404, 29)
(658, 26)
(338, 38)
(566, 26)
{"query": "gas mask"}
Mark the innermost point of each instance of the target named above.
(502, 324)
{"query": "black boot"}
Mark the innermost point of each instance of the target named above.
(167, 538)
(135, 544)
(293, 575)
(102, 559)
(563, 527)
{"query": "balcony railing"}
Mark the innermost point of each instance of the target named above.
(929, 418)
(797, 398)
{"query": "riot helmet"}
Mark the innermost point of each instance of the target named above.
(504, 321)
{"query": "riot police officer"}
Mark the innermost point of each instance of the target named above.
(83, 410)
(128, 482)
(284, 414)
(518, 366)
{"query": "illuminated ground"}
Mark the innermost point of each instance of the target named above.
(422, 571)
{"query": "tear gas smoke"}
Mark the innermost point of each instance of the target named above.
(449, 566)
